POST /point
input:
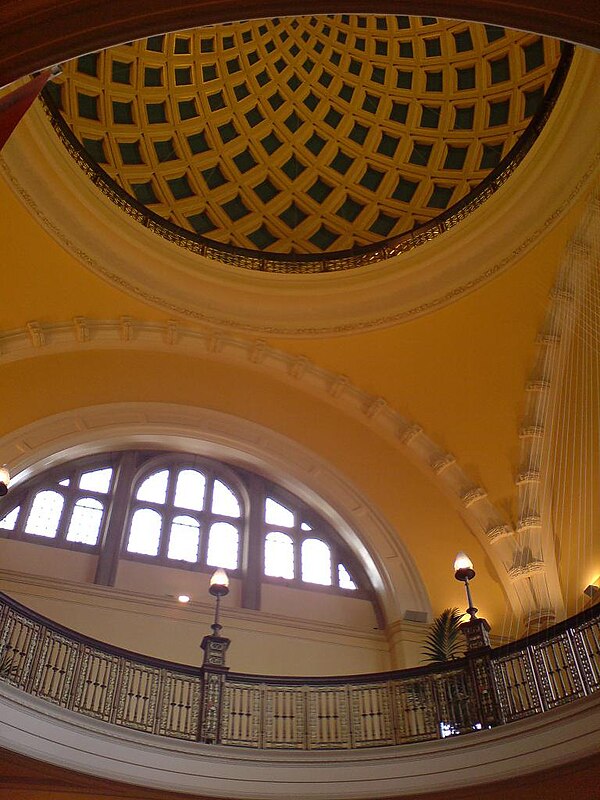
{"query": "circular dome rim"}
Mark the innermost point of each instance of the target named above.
(329, 260)
(551, 179)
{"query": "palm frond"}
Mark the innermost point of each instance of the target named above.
(444, 641)
(8, 666)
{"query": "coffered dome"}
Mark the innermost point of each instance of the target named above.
(309, 135)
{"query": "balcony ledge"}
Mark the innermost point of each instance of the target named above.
(43, 731)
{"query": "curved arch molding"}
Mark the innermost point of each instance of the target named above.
(42, 32)
(43, 731)
(93, 425)
(491, 239)
(68, 435)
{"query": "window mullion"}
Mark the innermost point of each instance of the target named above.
(70, 498)
(167, 513)
(206, 517)
(253, 544)
(113, 529)
(298, 535)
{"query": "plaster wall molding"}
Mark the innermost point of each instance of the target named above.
(41, 730)
(546, 184)
(196, 611)
(469, 500)
(534, 526)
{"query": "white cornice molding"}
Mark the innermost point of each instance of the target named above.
(41, 730)
(469, 499)
(543, 591)
(550, 180)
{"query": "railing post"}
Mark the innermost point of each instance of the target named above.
(479, 660)
(213, 681)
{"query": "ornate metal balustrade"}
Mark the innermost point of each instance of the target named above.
(211, 704)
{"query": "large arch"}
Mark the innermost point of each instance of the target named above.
(37, 33)
(69, 435)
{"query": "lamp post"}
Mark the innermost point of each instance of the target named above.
(213, 665)
(214, 645)
(476, 631)
(218, 587)
(4, 480)
(463, 571)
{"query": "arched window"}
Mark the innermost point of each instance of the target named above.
(184, 539)
(192, 515)
(65, 507)
(279, 555)
(300, 548)
(144, 532)
(85, 521)
(44, 517)
(154, 488)
(223, 546)
(186, 512)
(316, 562)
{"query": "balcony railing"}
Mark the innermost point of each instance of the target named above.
(211, 704)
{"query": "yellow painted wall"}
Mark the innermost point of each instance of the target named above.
(280, 640)
(460, 372)
(427, 522)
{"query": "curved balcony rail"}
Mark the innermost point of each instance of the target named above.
(211, 704)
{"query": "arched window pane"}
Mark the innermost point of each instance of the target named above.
(65, 482)
(45, 514)
(184, 539)
(189, 491)
(85, 521)
(223, 546)
(154, 488)
(10, 520)
(144, 535)
(276, 514)
(96, 481)
(224, 501)
(316, 562)
(279, 555)
(344, 579)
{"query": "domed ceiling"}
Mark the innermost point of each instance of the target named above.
(306, 136)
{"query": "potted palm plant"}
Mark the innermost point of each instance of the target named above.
(444, 641)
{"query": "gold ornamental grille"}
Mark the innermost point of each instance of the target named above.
(306, 135)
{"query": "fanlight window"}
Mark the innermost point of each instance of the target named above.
(10, 520)
(223, 545)
(85, 521)
(69, 511)
(45, 514)
(185, 512)
(154, 488)
(276, 514)
(189, 489)
(179, 517)
(316, 562)
(144, 533)
(279, 555)
(297, 549)
(184, 541)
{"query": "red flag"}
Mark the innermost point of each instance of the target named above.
(14, 105)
